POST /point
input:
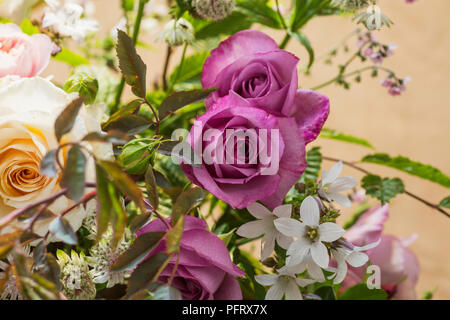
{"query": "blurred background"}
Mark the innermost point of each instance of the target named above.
(415, 125)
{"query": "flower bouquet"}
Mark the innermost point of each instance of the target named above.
(201, 184)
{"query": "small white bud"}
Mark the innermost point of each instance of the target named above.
(177, 32)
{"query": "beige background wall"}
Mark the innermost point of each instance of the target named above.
(416, 124)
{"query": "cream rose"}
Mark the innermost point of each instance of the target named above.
(16, 9)
(28, 109)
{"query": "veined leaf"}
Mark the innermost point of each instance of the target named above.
(181, 99)
(73, 177)
(412, 167)
(382, 189)
(138, 250)
(66, 120)
(130, 63)
(185, 202)
(143, 276)
(62, 230)
(130, 108)
(336, 135)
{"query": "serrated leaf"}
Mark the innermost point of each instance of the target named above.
(314, 160)
(66, 120)
(174, 235)
(167, 148)
(130, 124)
(335, 135)
(130, 63)
(83, 84)
(48, 167)
(73, 178)
(181, 99)
(445, 203)
(300, 37)
(150, 184)
(382, 189)
(362, 292)
(186, 202)
(143, 275)
(130, 108)
(412, 167)
(62, 230)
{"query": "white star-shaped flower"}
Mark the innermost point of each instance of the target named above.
(310, 234)
(67, 20)
(265, 225)
(354, 257)
(285, 283)
(308, 264)
(331, 185)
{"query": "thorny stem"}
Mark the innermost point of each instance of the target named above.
(352, 165)
(136, 29)
(166, 67)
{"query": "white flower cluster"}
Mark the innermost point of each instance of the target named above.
(308, 241)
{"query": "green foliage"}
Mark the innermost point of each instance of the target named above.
(73, 178)
(382, 189)
(66, 120)
(445, 203)
(258, 11)
(85, 85)
(326, 293)
(133, 68)
(71, 58)
(28, 27)
(150, 185)
(181, 99)
(314, 160)
(412, 167)
(362, 292)
(62, 230)
(186, 202)
(300, 37)
(173, 236)
(190, 70)
(336, 135)
(233, 23)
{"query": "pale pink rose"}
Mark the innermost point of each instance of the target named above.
(23, 55)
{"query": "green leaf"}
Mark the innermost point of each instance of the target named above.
(150, 184)
(130, 108)
(84, 84)
(314, 160)
(71, 58)
(167, 148)
(181, 99)
(138, 250)
(124, 183)
(326, 293)
(174, 235)
(412, 167)
(73, 177)
(113, 137)
(362, 292)
(66, 120)
(300, 37)
(143, 276)
(48, 167)
(233, 23)
(186, 202)
(139, 221)
(191, 68)
(130, 124)
(382, 189)
(258, 11)
(62, 230)
(445, 203)
(130, 63)
(104, 214)
(28, 27)
(119, 217)
(335, 135)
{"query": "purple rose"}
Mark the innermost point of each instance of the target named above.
(205, 270)
(273, 162)
(250, 64)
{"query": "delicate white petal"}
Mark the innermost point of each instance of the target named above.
(324, 195)
(284, 241)
(296, 269)
(275, 292)
(310, 212)
(319, 254)
(266, 279)
(304, 282)
(357, 259)
(341, 199)
(290, 227)
(292, 291)
(283, 211)
(334, 172)
(369, 246)
(330, 232)
(342, 184)
(315, 272)
(258, 210)
(267, 245)
(251, 229)
(297, 252)
(341, 272)
(407, 241)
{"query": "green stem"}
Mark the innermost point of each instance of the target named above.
(136, 29)
(180, 66)
(166, 67)
(285, 41)
(280, 15)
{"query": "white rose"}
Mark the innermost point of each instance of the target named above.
(28, 109)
